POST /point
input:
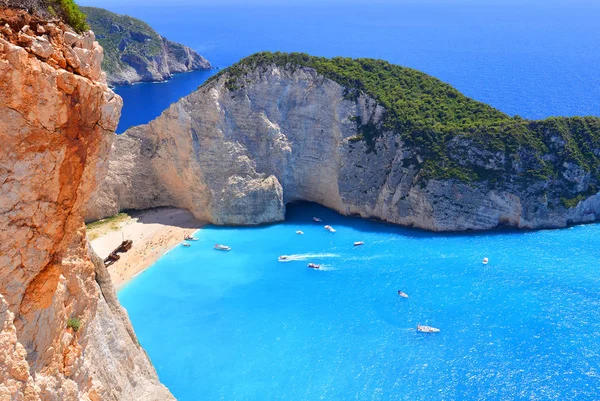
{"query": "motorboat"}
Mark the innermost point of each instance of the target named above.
(314, 266)
(185, 244)
(330, 229)
(485, 261)
(219, 247)
(359, 243)
(283, 258)
(299, 232)
(402, 294)
(427, 329)
(316, 219)
(190, 238)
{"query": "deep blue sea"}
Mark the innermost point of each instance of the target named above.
(241, 325)
(534, 58)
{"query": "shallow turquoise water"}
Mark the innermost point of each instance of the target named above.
(240, 325)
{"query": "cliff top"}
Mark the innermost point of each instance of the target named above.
(65, 10)
(432, 115)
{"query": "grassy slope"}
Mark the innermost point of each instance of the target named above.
(112, 30)
(428, 114)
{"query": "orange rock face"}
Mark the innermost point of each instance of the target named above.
(57, 121)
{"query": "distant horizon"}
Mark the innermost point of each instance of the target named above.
(108, 3)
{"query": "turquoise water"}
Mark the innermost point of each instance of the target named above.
(534, 58)
(240, 325)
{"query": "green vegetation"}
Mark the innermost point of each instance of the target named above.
(126, 40)
(74, 323)
(69, 12)
(443, 125)
(113, 223)
(66, 10)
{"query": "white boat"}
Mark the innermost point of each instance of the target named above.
(427, 329)
(219, 247)
(485, 261)
(283, 258)
(185, 244)
(402, 294)
(299, 232)
(316, 219)
(190, 238)
(359, 243)
(314, 266)
(330, 229)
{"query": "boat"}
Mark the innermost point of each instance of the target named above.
(190, 238)
(185, 244)
(284, 258)
(219, 247)
(314, 266)
(330, 229)
(299, 232)
(358, 243)
(427, 329)
(402, 294)
(316, 219)
(485, 261)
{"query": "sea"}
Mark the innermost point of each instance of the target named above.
(533, 58)
(241, 325)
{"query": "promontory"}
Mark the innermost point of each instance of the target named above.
(135, 52)
(360, 136)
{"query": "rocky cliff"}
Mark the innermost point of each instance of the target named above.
(63, 334)
(134, 52)
(362, 137)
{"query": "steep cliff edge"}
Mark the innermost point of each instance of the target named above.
(362, 137)
(134, 52)
(63, 335)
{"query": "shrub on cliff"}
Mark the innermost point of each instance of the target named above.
(66, 10)
(74, 323)
(70, 13)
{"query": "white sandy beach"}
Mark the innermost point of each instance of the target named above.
(153, 233)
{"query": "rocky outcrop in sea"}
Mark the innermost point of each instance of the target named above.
(63, 333)
(134, 52)
(261, 135)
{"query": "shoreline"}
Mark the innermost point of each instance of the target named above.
(154, 232)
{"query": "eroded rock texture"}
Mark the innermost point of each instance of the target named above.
(57, 120)
(237, 154)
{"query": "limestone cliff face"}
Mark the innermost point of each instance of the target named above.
(238, 154)
(57, 122)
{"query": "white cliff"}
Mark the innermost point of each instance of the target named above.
(237, 154)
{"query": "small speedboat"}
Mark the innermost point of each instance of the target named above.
(314, 266)
(427, 329)
(485, 261)
(330, 229)
(358, 243)
(316, 219)
(283, 258)
(402, 294)
(185, 244)
(299, 232)
(190, 238)
(222, 247)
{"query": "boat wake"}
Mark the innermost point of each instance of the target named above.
(305, 256)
